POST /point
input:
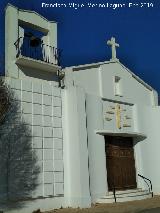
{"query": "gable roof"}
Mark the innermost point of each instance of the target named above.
(96, 65)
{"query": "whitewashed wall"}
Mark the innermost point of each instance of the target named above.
(41, 110)
(99, 80)
(149, 123)
(76, 175)
(96, 148)
(132, 90)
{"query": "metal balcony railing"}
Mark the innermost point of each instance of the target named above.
(35, 48)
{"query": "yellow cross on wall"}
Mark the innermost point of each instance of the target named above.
(121, 119)
(118, 116)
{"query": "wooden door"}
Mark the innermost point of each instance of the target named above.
(120, 163)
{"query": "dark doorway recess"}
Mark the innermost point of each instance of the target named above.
(120, 163)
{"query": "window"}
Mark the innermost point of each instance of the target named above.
(117, 86)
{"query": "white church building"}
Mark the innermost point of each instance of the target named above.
(95, 127)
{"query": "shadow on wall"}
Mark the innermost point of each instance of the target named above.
(18, 164)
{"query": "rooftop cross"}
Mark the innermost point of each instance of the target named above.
(113, 44)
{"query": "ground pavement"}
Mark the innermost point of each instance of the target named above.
(151, 205)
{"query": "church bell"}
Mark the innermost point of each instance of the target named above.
(34, 41)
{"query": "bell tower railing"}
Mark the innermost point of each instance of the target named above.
(35, 48)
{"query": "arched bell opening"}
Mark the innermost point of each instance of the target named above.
(32, 43)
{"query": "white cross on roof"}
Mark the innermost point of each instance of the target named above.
(113, 45)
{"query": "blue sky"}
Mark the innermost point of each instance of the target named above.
(83, 33)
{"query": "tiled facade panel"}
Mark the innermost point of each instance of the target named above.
(57, 143)
(57, 112)
(41, 110)
(48, 189)
(48, 154)
(48, 166)
(48, 177)
(47, 110)
(57, 132)
(57, 122)
(37, 98)
(48, 143)
(47, 100)
(58, 177)
(27, 108)
(27, 96)
(47, 121)
(37, 109)
(37, 143)
(58, 154)
(58, 165)
(58, 189)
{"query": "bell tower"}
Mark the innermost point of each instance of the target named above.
(30, 45)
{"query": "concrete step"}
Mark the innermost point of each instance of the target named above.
(127, 192)
(127, 195)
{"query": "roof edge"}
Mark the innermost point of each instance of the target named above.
(116, 61)
(29, 11)
(137, 78)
